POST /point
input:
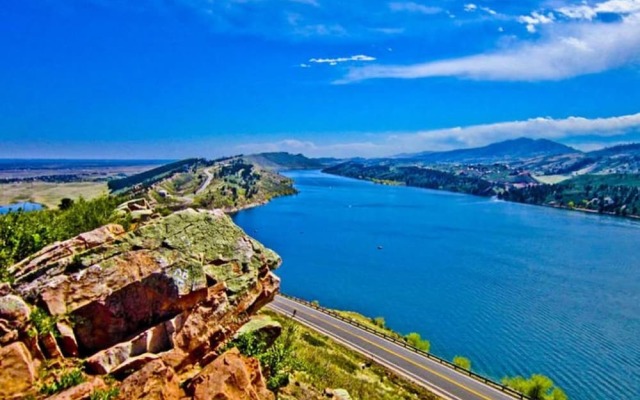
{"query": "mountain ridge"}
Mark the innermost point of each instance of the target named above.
(512, 149)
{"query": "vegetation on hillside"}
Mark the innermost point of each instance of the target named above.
(24, 233)
(314, 362)
(284, 161)
(231, 183)
(617, 194)
(147, 178)
(415, 176)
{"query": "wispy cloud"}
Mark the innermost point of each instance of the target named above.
(584, 132)
(535, 19)
(410, 6)
(566, 51)
(336, 61)
(589, 12)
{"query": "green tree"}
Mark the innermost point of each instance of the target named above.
(537, 387)
(379, 321)
(65, 204)
(462, 362)
(415, 340)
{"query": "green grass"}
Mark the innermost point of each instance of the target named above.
(49, 194)
(65, 380)
(611, 180)
(322, 363)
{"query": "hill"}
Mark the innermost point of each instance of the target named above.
(414, 176)
(281, 161)
(152, 176)
(622, 150)
(508, 150)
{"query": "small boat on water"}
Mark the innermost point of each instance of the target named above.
(379, 247)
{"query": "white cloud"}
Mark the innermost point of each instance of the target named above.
(470, 7)
(460, 137)
(588, 12)
(567, 51)
(335, 61)
(410, 6)
(535, 19)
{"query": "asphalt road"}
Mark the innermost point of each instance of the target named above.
(440, 379)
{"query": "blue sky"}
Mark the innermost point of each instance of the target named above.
(179, 78)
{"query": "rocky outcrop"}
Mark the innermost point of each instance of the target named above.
(156, 381)
(230, 376)
(82, 391)
(152, 304)
(261, 326)
(17, 372)
(14, 315)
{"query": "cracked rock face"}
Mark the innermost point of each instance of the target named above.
(169, 292)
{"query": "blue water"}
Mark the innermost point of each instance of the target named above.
(518, 289)
(25, 206)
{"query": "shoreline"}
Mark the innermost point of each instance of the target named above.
(564, 208)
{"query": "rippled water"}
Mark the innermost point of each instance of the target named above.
(518, 289)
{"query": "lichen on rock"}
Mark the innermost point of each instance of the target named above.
(169, 293)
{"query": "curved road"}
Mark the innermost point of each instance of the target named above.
(440, 379)
(207, 182)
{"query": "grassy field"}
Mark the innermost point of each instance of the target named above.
(49, 194)
(323, 363)
(551, 179)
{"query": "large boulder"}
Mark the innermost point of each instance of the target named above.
(155, 381)
(14, 315)
(176, 287)
(17, 372)
(263, 326)
(231, 376)
(82, 391)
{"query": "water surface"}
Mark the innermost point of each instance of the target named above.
(518, 289)
(24, 206)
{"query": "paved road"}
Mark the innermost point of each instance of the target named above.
(438, 378)
(207, 182)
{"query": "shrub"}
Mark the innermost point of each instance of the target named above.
(537, 387)
(415, 340)
(379, 322)
(42, 321)
(66, 380)
(105, 394)
(462, 362)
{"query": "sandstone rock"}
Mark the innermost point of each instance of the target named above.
(67, 340)
(14, 312)
(17, 372)
(50, 346)
(5, 289)
(337, 394)
(231, 376)
(263, 326)
(154, 302)
(53, 259)
(82, 391)
(155, 381)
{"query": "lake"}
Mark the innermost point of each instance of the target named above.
(25, 206)
(518, 289)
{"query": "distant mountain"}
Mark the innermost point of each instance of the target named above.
(508, 150)
(279, 161)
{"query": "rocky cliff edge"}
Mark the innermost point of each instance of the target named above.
(150, 309)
